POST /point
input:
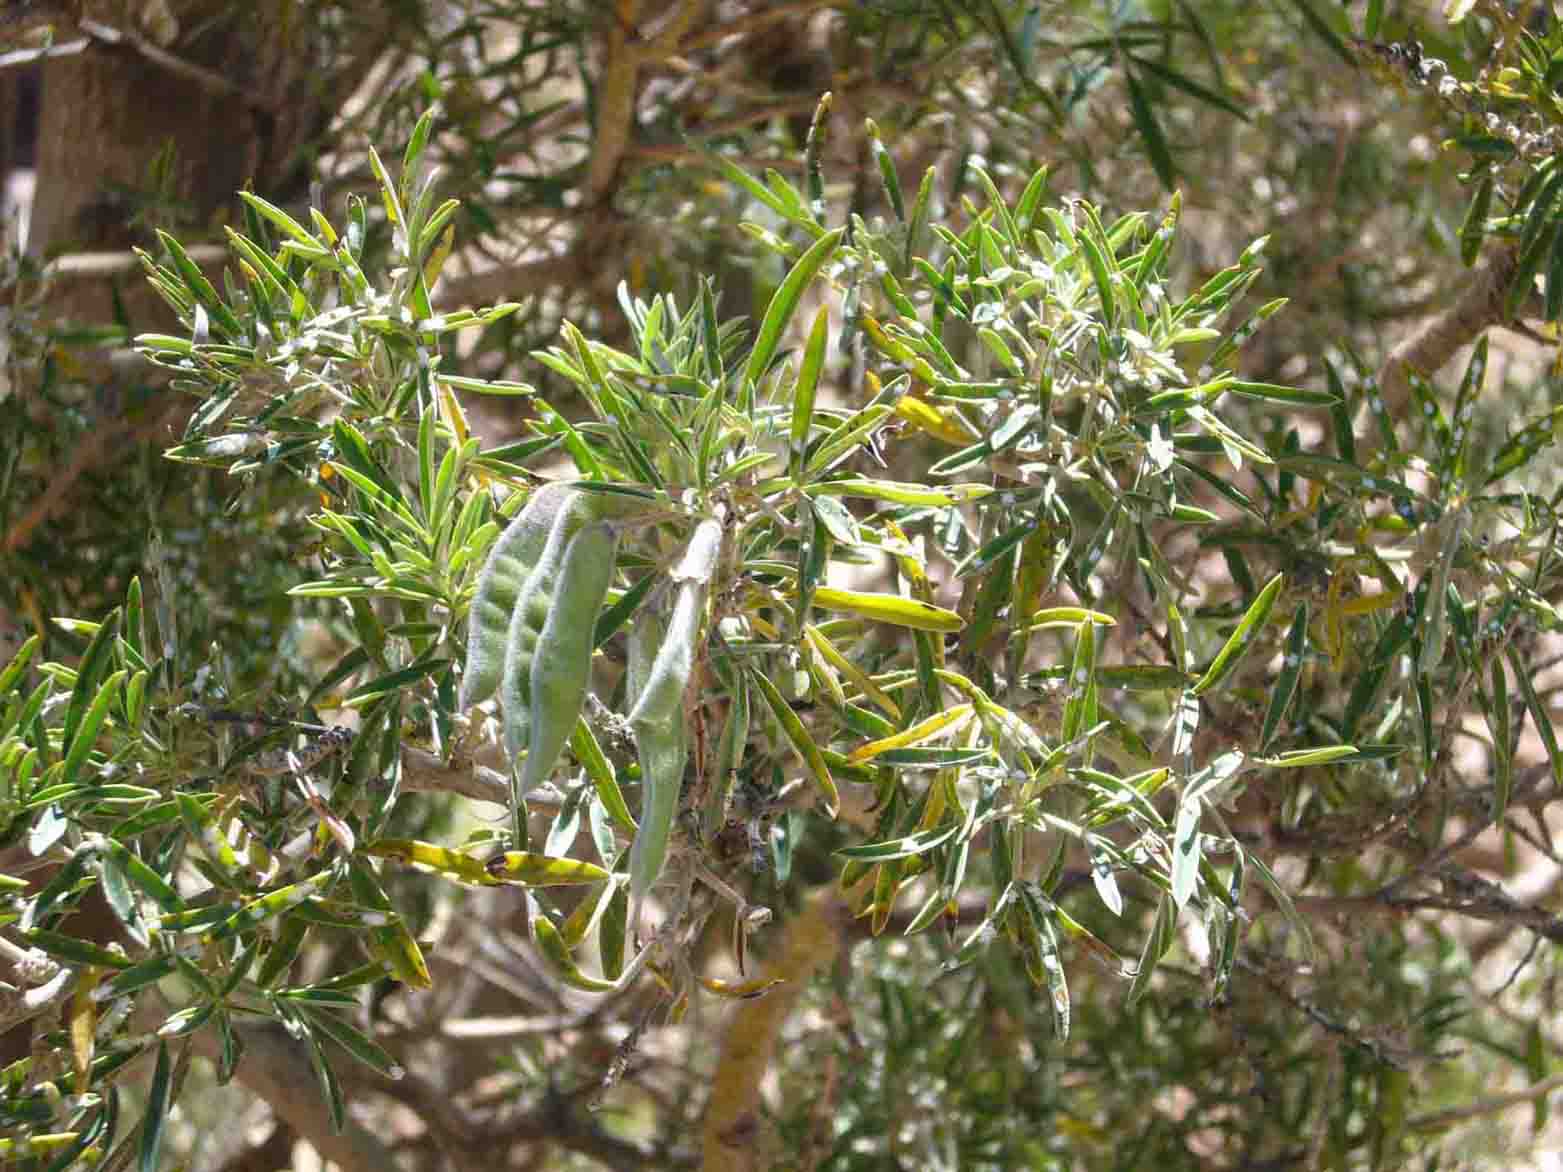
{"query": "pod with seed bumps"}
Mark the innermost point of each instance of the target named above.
(561, 665)
(511, 571)
(528, 616)
(540, 593)
(504, 575)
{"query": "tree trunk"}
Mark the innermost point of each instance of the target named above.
(161, 127)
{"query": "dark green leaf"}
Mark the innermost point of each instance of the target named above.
(1150, 132)
(1291, 673)
(1474, 227)
(1189, 86)
(1157, 942)
(156, 1112)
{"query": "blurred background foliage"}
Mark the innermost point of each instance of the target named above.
(577, 136)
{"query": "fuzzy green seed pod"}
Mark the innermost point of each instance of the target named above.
(663, 750)
(509, 564)
(657, 715)
(562, 662)
(528, 616)
(511, 567)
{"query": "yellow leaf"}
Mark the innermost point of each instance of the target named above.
(941, 423)
(924, 730)
(1070, 616)
(84, 1025)
(846, 667)
(438, 255)
(890, 608)
(741, 990)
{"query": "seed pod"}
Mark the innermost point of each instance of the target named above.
(561, 666)
(663, 749)
(527, 618)
(645, 637)
(657, 717)
(661, 697)
(509, 564)
(511, 569)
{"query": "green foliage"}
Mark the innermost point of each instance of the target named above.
(1032, 339)
(986, 577)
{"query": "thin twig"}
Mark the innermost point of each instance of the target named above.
(37, 1000)
(423, 771)
(206, 79)
(28, 56)
(1437, 1120)
(1535, 945)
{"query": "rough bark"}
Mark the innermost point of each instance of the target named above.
(1480, 304)
(229, 91)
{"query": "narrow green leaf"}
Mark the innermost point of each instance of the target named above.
(1189, 86)
(1100, 274)
(1554, 302)
(804, 391)
(1474, 228)
(898, 492)
(583, 743)
(90, 672)
(200, 288)
(156, 1112)
(1080, 707)
(1186, 855)
(801, 741)
(784, 301)
(1046, 943)
(919, 220)
(1150, 131)
(1305, 758)
(1157, 942)
(1284, 902)
(887, 171)
(889, 608)
(999, 547)
(13, 670)
(414, 153)
(336, 1101)
(1324, 31)
(393, 681)
(1291, 672)
(73, 951)
(86, 736)
(907, 846)
(358, 1044)
(615, 616)
(1238, 642)
(270, 211)
(145, 877)
(1275, 393)
(551, 944)
(1539, 715)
